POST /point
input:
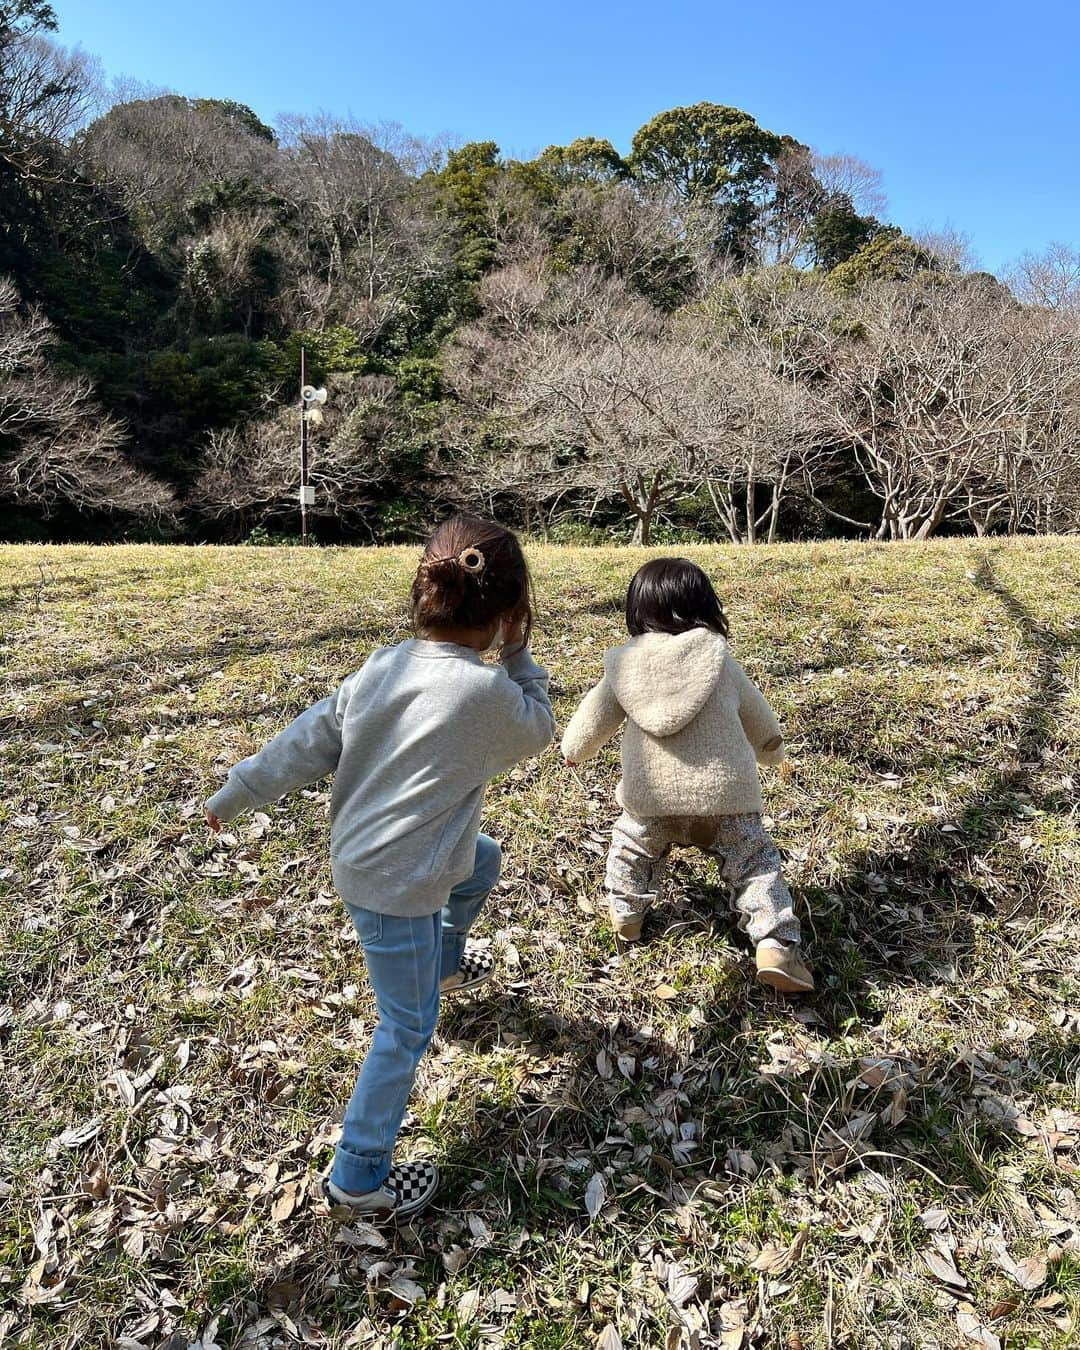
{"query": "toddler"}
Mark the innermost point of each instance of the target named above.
(696, 729)
(412, 739)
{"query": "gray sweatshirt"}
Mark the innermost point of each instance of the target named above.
(412, 739)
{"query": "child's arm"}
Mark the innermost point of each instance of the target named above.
(529, 724)
(597, 719)
(758, 720)
(309, 748)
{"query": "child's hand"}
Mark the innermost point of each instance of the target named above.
(513, 637)
(214, 822)
(786, 771)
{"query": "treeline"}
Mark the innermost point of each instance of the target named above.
(714, 335)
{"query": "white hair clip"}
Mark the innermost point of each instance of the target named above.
(471, 560)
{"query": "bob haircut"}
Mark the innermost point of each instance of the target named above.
(472, 573)
(673, 595)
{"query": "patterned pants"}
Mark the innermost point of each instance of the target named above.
(748, 858)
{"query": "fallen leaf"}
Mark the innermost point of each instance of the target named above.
(78, 1135)
(408, 1291)
(361, 1235)
(481, 1233)
(286, 1202)
(468, 1306)
(1030, 1273)
(594, 1194)
(974, 1330)
(454, 1259)
(665, 992)
(943, 1269)
(681, 1285)
(124, 1086)
(774, 1259)
(609, 1339)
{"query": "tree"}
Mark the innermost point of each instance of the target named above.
(251, 472)
(364, 252)
(170, 158)
(889, 255)
(764, 322)
(951, 249)
(626, 234)
(838, 233)
(593, 383)
(586, 160)
(1049, 280)
(57, 448)
(951, 404)
(717, 161)
(849, 178)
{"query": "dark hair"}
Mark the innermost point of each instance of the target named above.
(673, 595)
(472, 573)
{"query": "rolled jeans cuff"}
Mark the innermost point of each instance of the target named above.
(360, 1172)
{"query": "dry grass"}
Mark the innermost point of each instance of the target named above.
(892, 1163)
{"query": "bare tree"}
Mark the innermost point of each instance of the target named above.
(950, 248)
(852, 178)
(769, 322)
(1049, 280)
(364, 244)
(948, 403)
(1028, 476)
(56, 445)
(161, 152)
(599, 391)
(47, 93)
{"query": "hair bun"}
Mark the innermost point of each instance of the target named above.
(470, 561)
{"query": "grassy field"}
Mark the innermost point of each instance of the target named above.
(640, 1147)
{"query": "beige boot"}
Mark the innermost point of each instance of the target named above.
(780, 966)
(626, 926)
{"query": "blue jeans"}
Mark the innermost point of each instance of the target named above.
(406, 960)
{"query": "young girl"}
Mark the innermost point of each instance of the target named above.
(412, 739)
(695, 727)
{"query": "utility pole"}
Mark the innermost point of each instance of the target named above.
(311, 403)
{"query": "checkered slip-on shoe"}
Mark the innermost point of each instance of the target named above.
(477, 967)
(409, 1188)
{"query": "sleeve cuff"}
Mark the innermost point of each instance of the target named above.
(230, 799)
(569, 753)
(521, 666)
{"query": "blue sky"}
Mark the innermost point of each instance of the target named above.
(971, 111)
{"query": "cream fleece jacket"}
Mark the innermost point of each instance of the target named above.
(696, 726)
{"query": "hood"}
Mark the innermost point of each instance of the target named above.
(663, 681)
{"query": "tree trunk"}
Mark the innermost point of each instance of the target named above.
(774, 513)
(930, 522)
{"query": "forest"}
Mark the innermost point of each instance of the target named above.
(715, 335)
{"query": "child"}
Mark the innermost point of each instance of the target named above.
(695, 725)
(412, 739)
